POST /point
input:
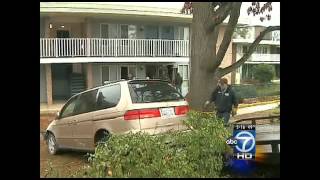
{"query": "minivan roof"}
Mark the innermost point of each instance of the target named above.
(117, 81)
(137, 80)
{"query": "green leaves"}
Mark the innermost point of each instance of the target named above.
(197, 153)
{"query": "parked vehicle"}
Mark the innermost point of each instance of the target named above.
(151, 106)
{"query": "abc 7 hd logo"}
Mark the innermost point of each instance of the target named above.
(243, 144)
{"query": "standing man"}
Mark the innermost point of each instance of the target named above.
(224, 98)
(178, 82)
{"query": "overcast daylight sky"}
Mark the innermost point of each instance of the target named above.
(275, 13)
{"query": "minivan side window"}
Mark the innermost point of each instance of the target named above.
(68, 109)
(87, 102)
(108, 97)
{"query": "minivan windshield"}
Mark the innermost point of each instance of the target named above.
(153, 91)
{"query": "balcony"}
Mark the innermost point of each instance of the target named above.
(259, 58)
(98, 47)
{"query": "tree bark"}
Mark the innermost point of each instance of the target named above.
(203, 52)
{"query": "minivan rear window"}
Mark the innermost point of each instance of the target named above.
(153, 91)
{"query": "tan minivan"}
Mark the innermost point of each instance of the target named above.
(151, 106)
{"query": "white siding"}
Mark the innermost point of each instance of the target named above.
(113, 72)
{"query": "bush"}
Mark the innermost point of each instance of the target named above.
(263, 73)
(245, 91)
(196, 153)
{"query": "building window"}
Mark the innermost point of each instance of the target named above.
(184, 73)
(124, 31)
(104, 31)
(132, 32)
(128, 72)
(105, 74)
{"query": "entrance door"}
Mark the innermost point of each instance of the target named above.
(63, 34)
(60, 81)
(128, 72)
(62, 47)
(151, 32)
(124, 72)
(151, 72)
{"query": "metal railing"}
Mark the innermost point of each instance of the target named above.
(256, 57)
(98, 47)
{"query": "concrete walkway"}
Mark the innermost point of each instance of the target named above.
(257, 108)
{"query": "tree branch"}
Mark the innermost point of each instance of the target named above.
(252, 48)
(234, 16)
(220, 15)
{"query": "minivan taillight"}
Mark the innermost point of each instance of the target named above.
(180, 110)
(131, 115)
(141, 114)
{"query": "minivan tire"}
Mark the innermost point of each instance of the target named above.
(52, 144)
(102, 137)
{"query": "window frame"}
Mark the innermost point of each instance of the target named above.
(101, 29)
(95, 101)
(117, 84)
(120, 31)
(73, 99)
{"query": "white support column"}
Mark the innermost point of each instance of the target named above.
(89, 76)
(49, 83)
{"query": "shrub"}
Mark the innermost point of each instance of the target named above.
(196, 153)
(245, 91)
(263, 72)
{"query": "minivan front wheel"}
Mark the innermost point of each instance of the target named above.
(52, 144)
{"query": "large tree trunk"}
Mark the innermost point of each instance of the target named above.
(202, 79)
(205, 62)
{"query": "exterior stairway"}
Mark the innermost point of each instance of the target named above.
(78, 83)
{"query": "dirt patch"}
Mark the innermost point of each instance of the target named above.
(63, 164)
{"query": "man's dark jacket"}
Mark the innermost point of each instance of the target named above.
(224, 101)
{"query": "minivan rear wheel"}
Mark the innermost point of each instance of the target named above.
(101, 137)
(52, 144)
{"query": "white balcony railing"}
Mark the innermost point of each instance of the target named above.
(97, 47)
(262, 57)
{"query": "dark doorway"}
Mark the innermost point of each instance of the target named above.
(124, 72)
(63, 34)
(170, 72)
(151, 72)
(62, 48)
(61, 81)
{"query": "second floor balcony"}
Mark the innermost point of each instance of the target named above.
(259, 58)
(99, 47)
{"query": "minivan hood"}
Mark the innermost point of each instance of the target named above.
(51, 124)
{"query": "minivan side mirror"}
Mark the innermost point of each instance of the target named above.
(57, 115)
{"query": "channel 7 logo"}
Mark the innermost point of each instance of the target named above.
(243, 142)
